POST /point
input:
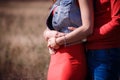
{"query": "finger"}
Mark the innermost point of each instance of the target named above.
(60, 35)
(71, 28)
(51, 51)
(48, 45)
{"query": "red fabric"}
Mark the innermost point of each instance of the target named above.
(68, 64)
(53, 12)
(107, 25)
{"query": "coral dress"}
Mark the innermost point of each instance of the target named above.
(68, 64)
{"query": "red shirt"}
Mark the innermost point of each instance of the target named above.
(106, 32)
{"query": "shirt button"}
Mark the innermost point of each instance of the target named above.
(56, 12)
(55, 22)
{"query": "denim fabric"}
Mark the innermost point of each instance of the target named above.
(67, 14)
(104, 64)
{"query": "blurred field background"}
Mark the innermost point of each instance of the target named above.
(23, 51)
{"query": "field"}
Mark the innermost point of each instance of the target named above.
(23, 51)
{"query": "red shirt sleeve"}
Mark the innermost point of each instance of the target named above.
(106, 25)
(115, 18)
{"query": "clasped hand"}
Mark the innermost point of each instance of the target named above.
(50, 36)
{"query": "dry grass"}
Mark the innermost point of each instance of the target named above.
(23, 52)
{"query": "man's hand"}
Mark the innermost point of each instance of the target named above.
(51, 33)
(72, 28)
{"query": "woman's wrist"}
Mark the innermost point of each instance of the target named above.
(61, 40)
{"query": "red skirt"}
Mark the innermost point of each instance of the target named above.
(68, 64)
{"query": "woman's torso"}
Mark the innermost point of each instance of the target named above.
(66, 14)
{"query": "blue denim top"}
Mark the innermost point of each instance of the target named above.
(67, 14)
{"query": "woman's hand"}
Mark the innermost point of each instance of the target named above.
(52, 43)
(51, 50)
